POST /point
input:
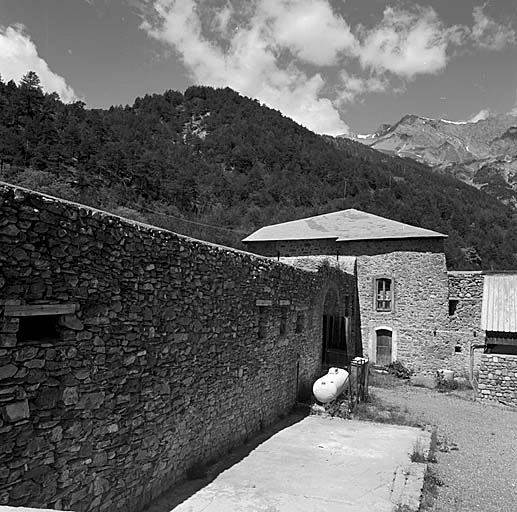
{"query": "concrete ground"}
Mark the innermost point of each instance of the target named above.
(320, 463)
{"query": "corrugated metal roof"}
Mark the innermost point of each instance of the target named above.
(345, 225)
(499, 311)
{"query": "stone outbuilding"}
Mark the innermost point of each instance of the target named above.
(498, 368)
(402, 285)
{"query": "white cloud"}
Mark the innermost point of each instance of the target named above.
(487, 33)
(247, 58)
(296, 55)
(18, 55)
(407, 43)
(353, 86)
(309, 28)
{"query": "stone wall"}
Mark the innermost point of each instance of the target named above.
(466, 293)
(162, 352)
(286, 248)
(419, 307)
(498, 378)
(425, 336)
(345, 288)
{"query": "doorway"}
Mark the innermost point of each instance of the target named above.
(334, 332)
(384, 347)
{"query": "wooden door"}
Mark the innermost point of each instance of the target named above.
(383, 356)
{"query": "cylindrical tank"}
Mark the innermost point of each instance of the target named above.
(330, 386)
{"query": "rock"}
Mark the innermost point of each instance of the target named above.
(100, 459)
(26, 353)
(91, 401)
(70, 396)
(36, 376)
(82, 373)
(7, 371)
(35, 363)
(100, 486)
(19, 254)
(17, 411)
(71, 322)
(47, 398)
(23, 489)
(9, 230)
(57, 434)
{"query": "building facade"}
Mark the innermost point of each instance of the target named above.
(409, 308)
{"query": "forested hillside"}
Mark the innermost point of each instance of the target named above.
(210, 156)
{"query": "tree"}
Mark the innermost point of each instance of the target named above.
(31, 94)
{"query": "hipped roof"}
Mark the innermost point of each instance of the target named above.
(343, 226)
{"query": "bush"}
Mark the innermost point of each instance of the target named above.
(399, 370)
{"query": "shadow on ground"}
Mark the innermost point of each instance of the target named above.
(181, 491)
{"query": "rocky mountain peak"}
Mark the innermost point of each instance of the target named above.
(482, 151)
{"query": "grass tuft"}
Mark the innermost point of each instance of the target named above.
(432, 484)
(418, 453)
(377, 411)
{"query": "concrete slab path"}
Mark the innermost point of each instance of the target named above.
(320, 464)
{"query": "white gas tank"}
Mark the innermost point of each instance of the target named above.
(330, 386)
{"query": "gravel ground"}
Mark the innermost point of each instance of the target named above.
(479, 463)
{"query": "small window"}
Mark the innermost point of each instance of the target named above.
(453, 304)
(384, 294)
(283, 321)
(262, 322)
(38, 328)
(300, 321)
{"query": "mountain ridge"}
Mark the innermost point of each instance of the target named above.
(214, 165)
(481, 153)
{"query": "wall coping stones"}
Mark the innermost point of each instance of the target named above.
(20, 192)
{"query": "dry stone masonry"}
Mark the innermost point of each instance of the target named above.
(498, 378)
(129, 354)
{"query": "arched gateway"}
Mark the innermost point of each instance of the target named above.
(335, 329)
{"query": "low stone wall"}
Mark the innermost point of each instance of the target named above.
(162, 352)
(498, 378)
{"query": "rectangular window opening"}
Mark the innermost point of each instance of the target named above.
(300, 322)
(383, 294)
(262, 322)
(38, 328)
(283, 321)
(453, 304)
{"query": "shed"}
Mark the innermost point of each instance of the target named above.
(499, 313)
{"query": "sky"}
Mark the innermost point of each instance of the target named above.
(334, 66)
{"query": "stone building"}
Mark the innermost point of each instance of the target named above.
(409, 308)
